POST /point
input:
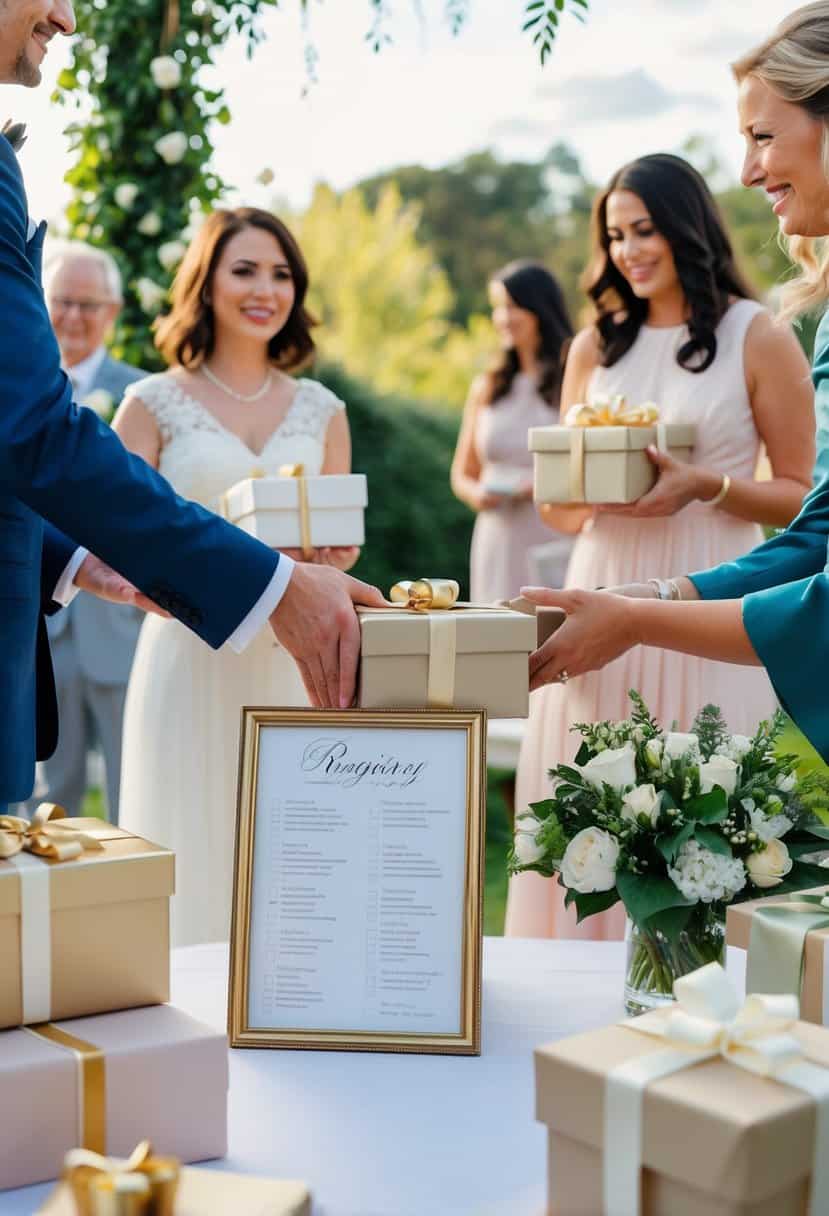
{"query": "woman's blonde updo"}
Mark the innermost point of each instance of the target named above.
(794, 63)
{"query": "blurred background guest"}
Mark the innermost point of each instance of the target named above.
(92, 642)
(492, 468)
(684, 332)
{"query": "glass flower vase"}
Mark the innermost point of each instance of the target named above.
(654, 961)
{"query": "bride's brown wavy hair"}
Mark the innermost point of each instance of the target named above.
(186, 335)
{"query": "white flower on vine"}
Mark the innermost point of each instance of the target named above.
(126, 194)
(527, 849)
(171, 147)
(149, 224)
(165, 71)
(171, 253)
(704, 876)
(615, 766)
(721, 771)
(151, 295)
(643, 800)
(589, 861)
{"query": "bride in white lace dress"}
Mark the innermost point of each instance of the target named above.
(224, 411)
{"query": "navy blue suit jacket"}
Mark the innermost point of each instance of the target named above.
(60, 466)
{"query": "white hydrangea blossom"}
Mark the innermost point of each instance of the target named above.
(705, 876)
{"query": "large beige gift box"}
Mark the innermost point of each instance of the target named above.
(717, 1140)
(601, 464)
(460, 658)
(106, 1083)
(86, 935)
(271, 509)
(814, 981)
(215, 1193)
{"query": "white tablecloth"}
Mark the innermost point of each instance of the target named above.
(386, 1135)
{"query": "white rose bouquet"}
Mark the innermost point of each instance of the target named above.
(675, 826)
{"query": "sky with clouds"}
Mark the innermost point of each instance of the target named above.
(639, 76)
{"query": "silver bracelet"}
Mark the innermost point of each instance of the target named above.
(663, 589)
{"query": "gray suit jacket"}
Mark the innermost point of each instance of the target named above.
(104, 635)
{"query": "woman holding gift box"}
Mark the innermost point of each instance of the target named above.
(676, 325)
(227, 409)
(492, 468)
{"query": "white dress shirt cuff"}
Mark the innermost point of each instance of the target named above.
(244, 634)
(65, 589)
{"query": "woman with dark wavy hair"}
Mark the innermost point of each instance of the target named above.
(492, 468)
(229, 407)
(675, 325)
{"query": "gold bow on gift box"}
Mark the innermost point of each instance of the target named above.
(426, 594)
(143, 1185)
(44, 838)
(612, 412)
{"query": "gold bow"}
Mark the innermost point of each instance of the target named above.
(143, 1185)
(57, 841)
(615, 412)
(426, 594)
(298, 471)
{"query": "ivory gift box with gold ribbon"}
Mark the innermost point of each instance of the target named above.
(293, 511)
(105, 1083)
(599, 456)
(434, 652)
(704, 1109)
(787, 939)
(84, 918)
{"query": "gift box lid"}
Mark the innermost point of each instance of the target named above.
(738, 916)
(397, 631)
(742, 1136)
(608, 438)
(332, 491)
(128, 867)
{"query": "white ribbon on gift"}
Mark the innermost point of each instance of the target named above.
(708, 1021)
(35, 937)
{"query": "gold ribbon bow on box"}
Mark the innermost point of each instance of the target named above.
(143, 1185)
(298, 471)
(44, 838)
(708, 1021)
(613, 412)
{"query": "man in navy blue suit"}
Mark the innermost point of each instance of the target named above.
(63, 474)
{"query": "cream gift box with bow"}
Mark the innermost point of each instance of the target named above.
(706, 1109)
(787, 939)
(293, 511)
(84, 918)
(434, 652)
(599, 455)
(104, 1083)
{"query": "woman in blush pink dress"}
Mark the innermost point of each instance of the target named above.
(684, 333)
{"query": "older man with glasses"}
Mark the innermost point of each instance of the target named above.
(92, 641)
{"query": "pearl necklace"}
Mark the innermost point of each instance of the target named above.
(245, 398)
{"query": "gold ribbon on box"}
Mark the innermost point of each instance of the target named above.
(615, 412)
(708, 1021)
(778, 940)
(298, 471)
(28, 847)
(91, 1081)
(143, 1185)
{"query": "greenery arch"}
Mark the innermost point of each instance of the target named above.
(141, 136)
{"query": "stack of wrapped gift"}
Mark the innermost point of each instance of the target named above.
(293, 511)
(705, 1109)
(432, 651)
(84, 932)
(599, 456)
(787, 939)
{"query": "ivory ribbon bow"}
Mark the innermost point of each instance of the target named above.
(56, 841)
(97, 1182)
(777, 941)
(708, 1021)
(298, 471)
(615, 412)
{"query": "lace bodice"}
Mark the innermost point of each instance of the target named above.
(201, 458)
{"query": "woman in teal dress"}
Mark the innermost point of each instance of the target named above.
(770, 607)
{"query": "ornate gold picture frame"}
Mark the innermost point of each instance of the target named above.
(358, 881)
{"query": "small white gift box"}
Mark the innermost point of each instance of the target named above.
(297, 512)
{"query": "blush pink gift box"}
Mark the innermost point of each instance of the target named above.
(166, 1079)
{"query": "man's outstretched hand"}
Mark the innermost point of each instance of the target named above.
(316, 623)
(99, 579)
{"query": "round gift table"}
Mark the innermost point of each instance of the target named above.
(418, 1135)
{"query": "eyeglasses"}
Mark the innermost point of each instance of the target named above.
(87, 308)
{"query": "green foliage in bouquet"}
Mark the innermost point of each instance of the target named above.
(674, 824)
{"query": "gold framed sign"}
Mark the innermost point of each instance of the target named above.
(358, 881)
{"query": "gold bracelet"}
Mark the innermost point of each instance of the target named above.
(722, 492)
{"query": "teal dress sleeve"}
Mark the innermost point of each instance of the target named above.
(799, 551)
